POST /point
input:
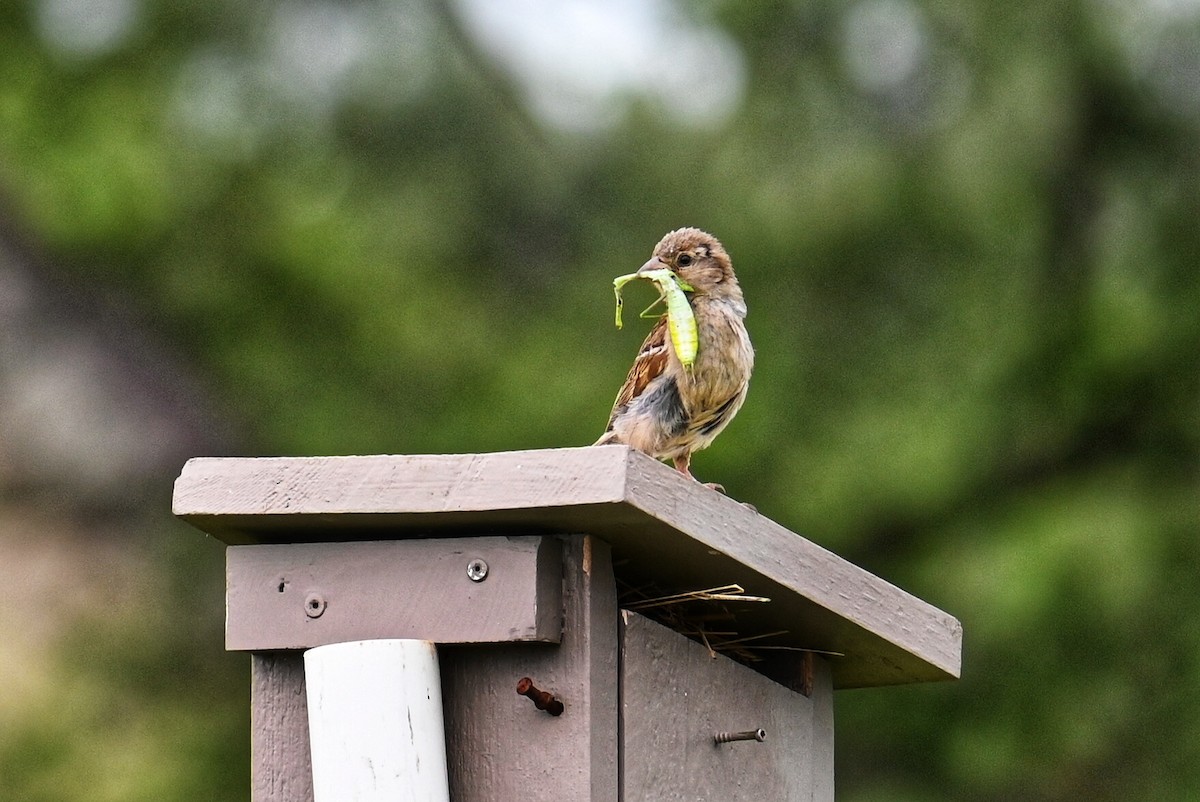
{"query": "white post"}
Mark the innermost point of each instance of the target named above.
(375, 722)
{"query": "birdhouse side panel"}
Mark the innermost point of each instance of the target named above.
(678, 701)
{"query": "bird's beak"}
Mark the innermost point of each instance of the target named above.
(654, 264)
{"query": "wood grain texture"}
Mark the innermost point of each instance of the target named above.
(373, 590)
(280, 761)
(823, 726)
(280, 487)
(663, 529)
(499, 746)
(675, 697)
(829, 603)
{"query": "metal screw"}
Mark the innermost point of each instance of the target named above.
(477, 570)
(542, 700)
(759, 735)
(314, 605)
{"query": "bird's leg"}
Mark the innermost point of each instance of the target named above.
(681, 465)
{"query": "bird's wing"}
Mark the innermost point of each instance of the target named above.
(651, 361)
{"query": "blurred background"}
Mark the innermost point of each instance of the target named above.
(968, 233)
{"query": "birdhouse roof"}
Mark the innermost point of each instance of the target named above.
(666, 532)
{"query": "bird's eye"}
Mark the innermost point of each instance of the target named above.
(684, 259)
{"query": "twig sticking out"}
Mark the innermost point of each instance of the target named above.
(723, 593)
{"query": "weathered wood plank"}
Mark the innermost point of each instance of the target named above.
(280, 487)
(499, 746)
(823, 729)
(301, 595)
(675, 697)
(661, 527)
(280, 761)
(836, 605)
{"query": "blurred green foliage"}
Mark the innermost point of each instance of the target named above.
(968, 234)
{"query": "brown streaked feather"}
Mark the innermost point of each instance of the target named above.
(651, 361)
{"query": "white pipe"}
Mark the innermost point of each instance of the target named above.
(375, 722)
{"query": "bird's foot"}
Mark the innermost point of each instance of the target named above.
(721, 489)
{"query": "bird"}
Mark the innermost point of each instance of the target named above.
(665, 409)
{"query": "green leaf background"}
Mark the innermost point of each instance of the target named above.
(973, 294)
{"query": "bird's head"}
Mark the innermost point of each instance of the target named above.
(697, 258)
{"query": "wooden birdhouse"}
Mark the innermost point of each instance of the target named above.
(602, 628)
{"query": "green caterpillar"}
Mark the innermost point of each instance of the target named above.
(680, 320)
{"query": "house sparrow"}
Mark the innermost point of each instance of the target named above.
(665, 409)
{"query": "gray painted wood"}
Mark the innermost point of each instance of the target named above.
(392, 589)
(823, 727)
(499, 746)
(280, 762)
(662, 528)
(675, 697)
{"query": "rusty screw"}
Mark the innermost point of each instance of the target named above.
(542, 700)
(759, 735)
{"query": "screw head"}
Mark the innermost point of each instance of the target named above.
(477, 570)
(314, 605)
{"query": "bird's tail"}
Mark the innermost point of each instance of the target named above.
(607, 438)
